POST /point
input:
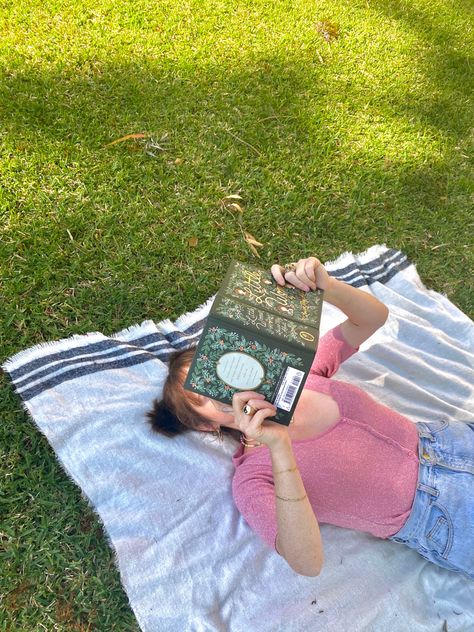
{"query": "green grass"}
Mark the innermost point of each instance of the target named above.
(332, 146)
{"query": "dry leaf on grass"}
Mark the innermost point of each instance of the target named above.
(252, 242)
(235, 207)
(193, 242)
(254, 250)
(329, 30)
(127, 137)
(229, 203)
(143, 141)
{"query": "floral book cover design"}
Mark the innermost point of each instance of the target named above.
(258, 336)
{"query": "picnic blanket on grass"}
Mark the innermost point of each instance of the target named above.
(187, 560)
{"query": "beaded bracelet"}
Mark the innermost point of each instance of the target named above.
(293, 500)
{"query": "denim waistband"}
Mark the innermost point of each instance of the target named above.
(426, 483)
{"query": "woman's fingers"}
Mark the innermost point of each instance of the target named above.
(286, 278)
(257, 405)
(298, 277)
(249, 423)
(294, 279)
(306, 272)
(261, 414)
(241, 398)
(310, 266)
(303, 277)
(278, 273)
(255, 400)
(254, 427)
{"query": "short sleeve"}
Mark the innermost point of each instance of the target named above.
(255, 500)
(332, 350)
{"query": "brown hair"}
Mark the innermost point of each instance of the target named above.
(174, 414)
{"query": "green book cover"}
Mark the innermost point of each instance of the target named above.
(258, 336)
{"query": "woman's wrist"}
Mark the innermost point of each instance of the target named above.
(331, 289)
(282, 445)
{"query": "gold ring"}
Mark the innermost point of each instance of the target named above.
(289, 267)
(248, 410)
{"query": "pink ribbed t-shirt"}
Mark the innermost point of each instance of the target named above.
(360, 473)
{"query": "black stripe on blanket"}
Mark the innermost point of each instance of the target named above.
(46, 372)
(134, 360)
(379, 270)
(95, 351)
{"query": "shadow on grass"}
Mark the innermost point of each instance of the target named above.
(271, 123)
(94, 108)
(109, 99)
(279, 113)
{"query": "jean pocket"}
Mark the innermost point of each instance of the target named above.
(439, 531)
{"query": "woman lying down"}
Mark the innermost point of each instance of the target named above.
(345, 459)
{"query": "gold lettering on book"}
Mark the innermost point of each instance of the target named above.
(304, 307)
(253, 287)
(255, 318)
(262, 291)
(306, 336)
(277, 298)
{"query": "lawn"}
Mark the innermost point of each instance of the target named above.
(339, 124)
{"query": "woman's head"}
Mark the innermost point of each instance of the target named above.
(179, 410)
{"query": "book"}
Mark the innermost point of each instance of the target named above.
(258, 336)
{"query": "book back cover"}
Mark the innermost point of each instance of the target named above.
(258, 336)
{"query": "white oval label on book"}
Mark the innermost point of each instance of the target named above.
(240, 370)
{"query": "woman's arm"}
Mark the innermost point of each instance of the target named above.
(365, 314)
(298, 539)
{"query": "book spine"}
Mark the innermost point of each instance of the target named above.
(284, 308)
(262, 321)
(257, 288)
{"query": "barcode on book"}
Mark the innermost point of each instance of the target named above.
(288, 388)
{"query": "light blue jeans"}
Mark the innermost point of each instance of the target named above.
(441, 523)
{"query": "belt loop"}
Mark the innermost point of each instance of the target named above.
(424, 432)
(428, 489)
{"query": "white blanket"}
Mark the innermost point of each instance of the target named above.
(188, 561)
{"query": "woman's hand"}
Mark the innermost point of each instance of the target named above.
(254, 426)
(365, 313)
(309, 274)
